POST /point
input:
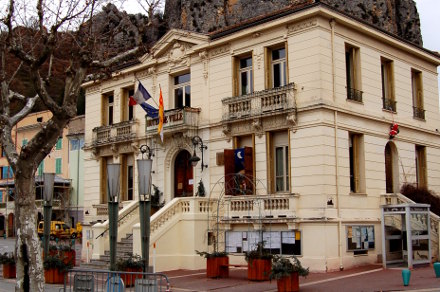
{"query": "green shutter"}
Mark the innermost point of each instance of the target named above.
(41, 168)
(58, 166)
(59, 144)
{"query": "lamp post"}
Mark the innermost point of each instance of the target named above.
(48, 181)
(197, 141)
(113, 171)
(144, 180)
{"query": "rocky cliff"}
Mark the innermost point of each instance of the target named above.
(398, 17)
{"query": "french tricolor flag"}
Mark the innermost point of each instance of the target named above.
(140, 97)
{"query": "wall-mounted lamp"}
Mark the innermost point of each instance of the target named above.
(144, 149)
(197, 141)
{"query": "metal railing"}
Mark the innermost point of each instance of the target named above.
(259, 103)
(389, 104)
(354, 94)
(114, 281)
(418, 112)
(175, 120)
(119, 132)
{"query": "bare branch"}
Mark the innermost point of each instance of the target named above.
(24, 111)
(116, 59)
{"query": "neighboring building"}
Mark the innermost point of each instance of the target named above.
(57, 162)
(75, 136)
(325, 118)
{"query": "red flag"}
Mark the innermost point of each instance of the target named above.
(160, 128)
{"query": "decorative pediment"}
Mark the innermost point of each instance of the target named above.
(175, 45)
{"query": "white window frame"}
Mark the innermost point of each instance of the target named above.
(249, 75)
(283, 66)
(184, 86)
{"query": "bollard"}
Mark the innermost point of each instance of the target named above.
(437, 269)
(406, 275)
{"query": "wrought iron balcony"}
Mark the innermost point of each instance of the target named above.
(389, 104)
(354, 94)
(419, 112)
(175, 120)
(257, 104)
(120, 132)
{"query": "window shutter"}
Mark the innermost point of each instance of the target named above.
(235, 68)
(268, 68)
(103, 180)
(249, 168)
(270, 163)
(287, 62)
(229, 171)
(356, 162)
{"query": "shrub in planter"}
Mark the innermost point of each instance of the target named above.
(259, 263)
(132, 263)
(8, 262)
(67, 254)
(287, 273)
(216, 263)
(54, 269)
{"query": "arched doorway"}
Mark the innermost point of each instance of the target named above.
(391, 168)
(183, 175)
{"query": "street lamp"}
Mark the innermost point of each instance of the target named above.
(144, 180)
(48, 180)
(197, 141)
(113, 171)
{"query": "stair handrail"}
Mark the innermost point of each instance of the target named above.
(131, 208)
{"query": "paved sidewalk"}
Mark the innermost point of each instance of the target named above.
(363, 279)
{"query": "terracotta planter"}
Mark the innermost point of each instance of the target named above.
(259, 269)
(69, 257)
(9, 271)
(54, 276)
(217, 267)
(289, 283)
(129, 279)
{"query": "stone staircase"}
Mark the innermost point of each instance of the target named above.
(123, 249)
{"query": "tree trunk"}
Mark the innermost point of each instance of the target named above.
(30, 276)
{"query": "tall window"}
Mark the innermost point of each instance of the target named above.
(130, 182)
(107, 109)
(353, 70)
(182, 90)
(421, 172)
(278, 67)
(245, 76)
(417, 94)
(7, 172)
(357, 163)
(387, 74)
(127, 110)
(58, 168)
(59, 144)
(280, 153)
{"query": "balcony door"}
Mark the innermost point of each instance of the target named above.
(183, 175)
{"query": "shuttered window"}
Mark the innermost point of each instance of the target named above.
(239, 176)
(421, 171)
(357, 162)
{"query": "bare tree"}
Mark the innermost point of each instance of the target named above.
(34, 38)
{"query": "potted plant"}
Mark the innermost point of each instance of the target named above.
(8, 261)
(287, 273)
(217, 263)
(259, 263)
(55, 269)
(67, 254)
(130, 263)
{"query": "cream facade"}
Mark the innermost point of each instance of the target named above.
(314, 95)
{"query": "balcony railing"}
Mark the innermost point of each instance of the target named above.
(120, 132)
(260, 103)
(354, 94)
(419, 112)
(389, 104)
(175, 120)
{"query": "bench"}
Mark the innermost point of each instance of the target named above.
(224, 269)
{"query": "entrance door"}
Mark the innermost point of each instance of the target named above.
(183, 175)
